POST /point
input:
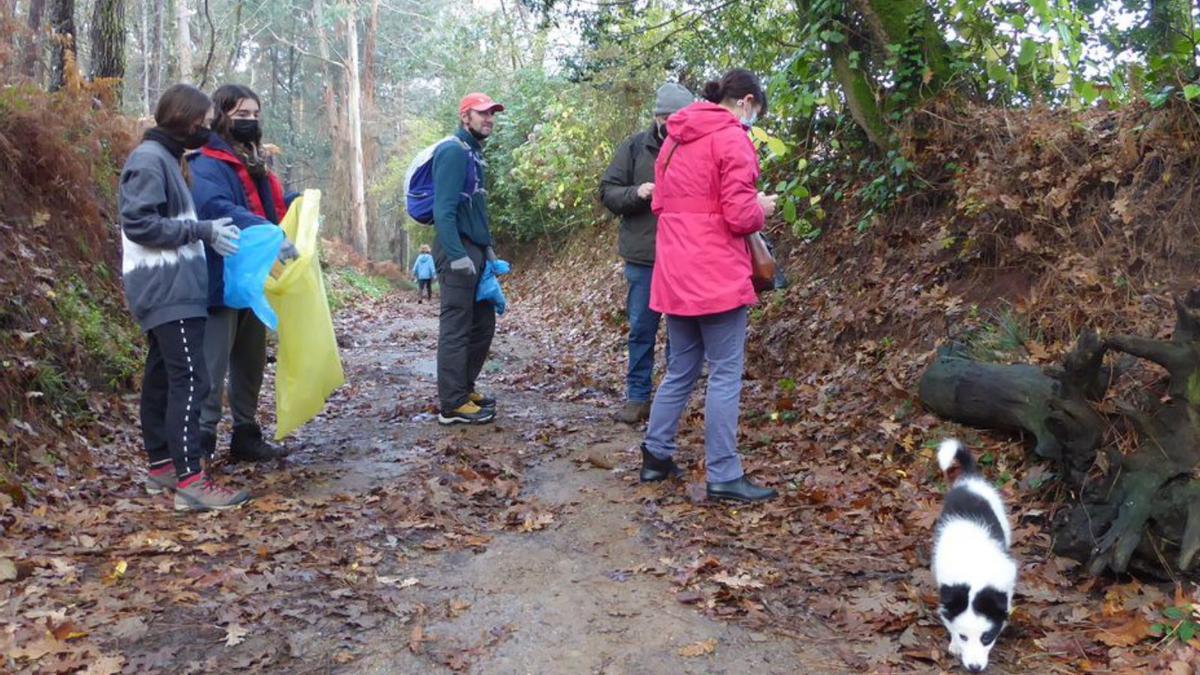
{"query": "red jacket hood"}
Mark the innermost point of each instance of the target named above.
(699, 120)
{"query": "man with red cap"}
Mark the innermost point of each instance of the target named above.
(463, 243)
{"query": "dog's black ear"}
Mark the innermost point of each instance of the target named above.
(991, 603)
(953, 599)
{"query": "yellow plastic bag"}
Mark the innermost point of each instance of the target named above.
(308, 367)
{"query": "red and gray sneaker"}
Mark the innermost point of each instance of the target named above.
(199, 493)
(160, 480)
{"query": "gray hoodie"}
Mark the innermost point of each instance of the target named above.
(163, 267)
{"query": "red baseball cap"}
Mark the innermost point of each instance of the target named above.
(479, 103)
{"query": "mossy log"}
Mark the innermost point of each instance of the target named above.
(1143, 514)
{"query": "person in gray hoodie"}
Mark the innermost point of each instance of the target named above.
(165, 277)
(626, 189)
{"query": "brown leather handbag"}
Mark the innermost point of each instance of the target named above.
(762, 263)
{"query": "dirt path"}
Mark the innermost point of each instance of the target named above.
(580, 591)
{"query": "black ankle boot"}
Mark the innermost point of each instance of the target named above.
(655, 469)
(740, 490)
(248, 445)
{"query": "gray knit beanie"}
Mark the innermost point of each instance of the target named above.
(672, 97)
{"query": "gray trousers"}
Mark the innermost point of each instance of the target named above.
(235, 343)
(721, 340)
(465, 328)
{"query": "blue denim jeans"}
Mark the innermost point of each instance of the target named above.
(721, 340)
(643, 329)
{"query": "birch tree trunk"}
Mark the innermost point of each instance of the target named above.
(157, 54)
(358, 196)
(147, 55)
(183, 33)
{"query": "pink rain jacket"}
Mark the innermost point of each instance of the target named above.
(706, 202)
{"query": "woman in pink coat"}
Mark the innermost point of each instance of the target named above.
(706, 201)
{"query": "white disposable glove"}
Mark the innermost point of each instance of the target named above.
(222, 236)
(463, 264)
(287, 252)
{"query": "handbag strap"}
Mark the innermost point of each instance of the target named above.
(667, 161)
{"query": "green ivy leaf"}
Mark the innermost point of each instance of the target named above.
(1174, 613)
(776, 146)
(1187, 631)
(1029, 50)
(1191, 91)
(832, 36)
(789, 211)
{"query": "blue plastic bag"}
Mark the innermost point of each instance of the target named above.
(247, 270)
(489, 286)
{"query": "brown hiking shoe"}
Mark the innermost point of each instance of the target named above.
(199, 493)
(633, 412)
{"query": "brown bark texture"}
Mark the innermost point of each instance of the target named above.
(1135, 511)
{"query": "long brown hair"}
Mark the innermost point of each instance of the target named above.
(226, 99)
(180, 106)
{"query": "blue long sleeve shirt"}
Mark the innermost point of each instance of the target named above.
(457, 216)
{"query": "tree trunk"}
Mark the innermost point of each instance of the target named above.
(909, 22)
(860, 96)
(336, 211)
(1051, 405)
(377, 231)
(358, 198)
(146, 56)
(108, 43)
(33, 51)
(1143, 514)
(183, 40)
(158, 54)
(62, 22)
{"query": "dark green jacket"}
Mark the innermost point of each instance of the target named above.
(632, 165)
(456, 217)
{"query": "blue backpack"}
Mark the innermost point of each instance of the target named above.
(418, 182)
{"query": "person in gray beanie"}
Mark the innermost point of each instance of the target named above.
(626, 189)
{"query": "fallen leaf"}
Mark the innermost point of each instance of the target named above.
(235, 635)
(8, 570)
(117, 573)
(415, 638)
(68, 631)
(601, 460)
(739, 581)
(398, 582)
(131, 628)
(106, 665)
(699, 648)
(1127, 633)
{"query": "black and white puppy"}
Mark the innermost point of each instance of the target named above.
(971, 564)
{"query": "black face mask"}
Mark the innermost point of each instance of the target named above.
(660, 131)
(246, 131)
(196, 139)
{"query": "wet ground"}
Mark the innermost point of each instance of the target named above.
(575, 587)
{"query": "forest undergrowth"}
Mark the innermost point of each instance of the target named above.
(1029, 227)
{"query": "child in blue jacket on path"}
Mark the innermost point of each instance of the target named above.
(423, 271)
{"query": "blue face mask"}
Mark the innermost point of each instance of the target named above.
(748, 122)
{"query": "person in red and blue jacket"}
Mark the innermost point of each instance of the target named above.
(230, 179)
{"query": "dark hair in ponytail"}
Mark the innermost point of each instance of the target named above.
(736, 84)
